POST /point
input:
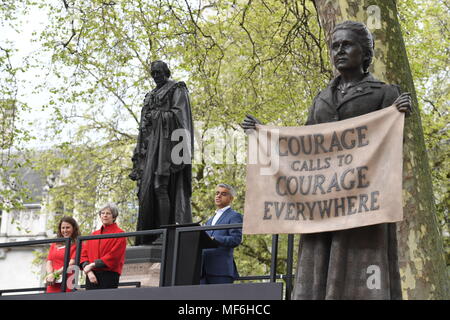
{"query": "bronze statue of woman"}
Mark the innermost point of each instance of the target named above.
(358, 263)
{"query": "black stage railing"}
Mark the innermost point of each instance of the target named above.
(46, 241)
(274, 255)
(136, 284)
(122, 235)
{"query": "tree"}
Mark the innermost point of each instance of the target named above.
(421, 258)
(427, 52)
(267, 58)
(223, 51)
(12, 190)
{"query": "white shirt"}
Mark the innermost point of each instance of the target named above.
(219, 214)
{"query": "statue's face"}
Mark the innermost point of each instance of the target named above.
(347, 53)
(158, 74)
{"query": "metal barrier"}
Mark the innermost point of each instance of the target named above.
(122, 235)
(46, 241)
(273, 274)
(136, 284)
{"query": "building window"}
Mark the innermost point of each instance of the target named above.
(59, 210)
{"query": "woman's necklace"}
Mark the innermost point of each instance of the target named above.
(343, 87)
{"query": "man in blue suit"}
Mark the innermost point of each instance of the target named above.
(218, 264)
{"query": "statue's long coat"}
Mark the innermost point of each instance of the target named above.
(359, 263)
(165, 110)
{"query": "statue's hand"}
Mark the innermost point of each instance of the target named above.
(249, 122)
(403, 103)
(134, 175)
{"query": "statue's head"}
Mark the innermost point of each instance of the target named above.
(160, 72)
(362, 42)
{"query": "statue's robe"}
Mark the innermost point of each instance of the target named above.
(165, 110)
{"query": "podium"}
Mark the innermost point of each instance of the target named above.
(188, 255)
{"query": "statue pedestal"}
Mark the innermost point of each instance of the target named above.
(142, 264)
(139, 254)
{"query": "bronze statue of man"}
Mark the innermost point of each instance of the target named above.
(162, 157)
(358, 263)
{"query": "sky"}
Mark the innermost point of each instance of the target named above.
(24, 38)
(34, 119)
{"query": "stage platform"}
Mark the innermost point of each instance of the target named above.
(245, 291)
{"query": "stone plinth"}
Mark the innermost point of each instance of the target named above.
(142, 264)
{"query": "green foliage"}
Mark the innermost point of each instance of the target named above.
(12, 190)
(87, 177)
(259, 58)
(265, 58)
(427, 42)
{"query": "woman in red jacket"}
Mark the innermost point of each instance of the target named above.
(102, 259)
(67, 228)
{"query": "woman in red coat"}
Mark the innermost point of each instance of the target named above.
(67, 228)
(102, 260)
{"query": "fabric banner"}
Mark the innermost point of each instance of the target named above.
(325, 177)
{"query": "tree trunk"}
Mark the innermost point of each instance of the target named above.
(421, 254)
